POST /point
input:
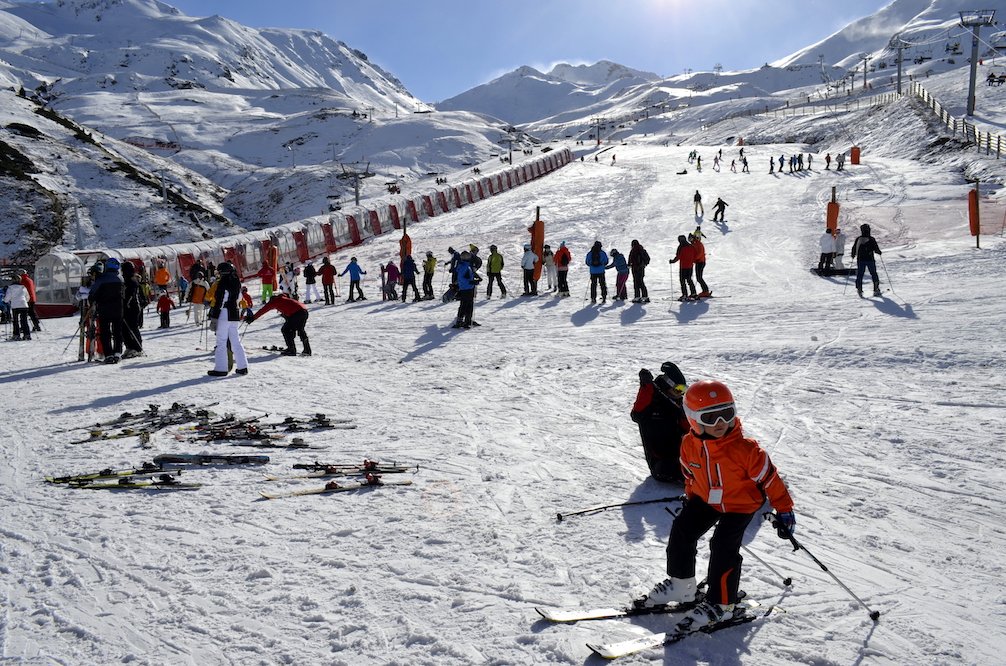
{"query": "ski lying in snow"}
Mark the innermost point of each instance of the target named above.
(345, 470)
(566, 615)
(160, 482)
(273, 443)
(743, 613)
(351, 468)
(107, 473)
(338, 486)
(209, 459)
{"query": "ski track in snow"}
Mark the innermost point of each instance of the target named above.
(884, 415)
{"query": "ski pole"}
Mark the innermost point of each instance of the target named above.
(73, 338)
(786, 534)
(888, 276)
(786, 580)
(598, 509)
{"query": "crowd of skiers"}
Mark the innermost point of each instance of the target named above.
(17, 306)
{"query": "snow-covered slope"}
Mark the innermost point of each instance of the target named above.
(885, 422)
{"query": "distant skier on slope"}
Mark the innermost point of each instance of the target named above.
(686, 255)
(863, 249)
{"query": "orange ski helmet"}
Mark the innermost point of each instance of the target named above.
(708, 402)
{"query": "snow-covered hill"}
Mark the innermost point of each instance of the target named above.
(884, 418)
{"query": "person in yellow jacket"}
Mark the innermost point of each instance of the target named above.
(429, 269)
(727, 479)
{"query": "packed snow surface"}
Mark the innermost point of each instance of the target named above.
(885, 415)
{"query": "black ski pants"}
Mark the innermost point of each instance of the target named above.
(724, 574)
(700, 267)
(685, 278)
(405, 288)
(563, 284)
(530, 284)
(427, 285)
(329, 291)
(638, 285)
(595, 280)
(498, 278)
(861, 267)
(110, 333)
(466, 306)
(293, 326)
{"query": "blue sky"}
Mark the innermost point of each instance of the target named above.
(440, 48)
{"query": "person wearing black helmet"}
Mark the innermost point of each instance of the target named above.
(227, 291)
(661, 420)
(106, 299)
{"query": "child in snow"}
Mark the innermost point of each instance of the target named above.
(727, 479)
(164, 307)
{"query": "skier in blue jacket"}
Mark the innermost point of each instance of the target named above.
(466, 291)
(355, 272)
(622, 269)
(597, 261)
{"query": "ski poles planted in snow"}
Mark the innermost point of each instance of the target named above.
(604, 507)
(785, 533)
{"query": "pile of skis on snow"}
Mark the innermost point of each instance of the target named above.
(204, 426)
(165, 472)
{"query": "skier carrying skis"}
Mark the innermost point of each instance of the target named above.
(686, 255)
(294, 320)
(661, 420)
(106, 299)
(863, 249)
(727, 479)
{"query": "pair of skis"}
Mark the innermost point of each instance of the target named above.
(369, 481)
(745, 611)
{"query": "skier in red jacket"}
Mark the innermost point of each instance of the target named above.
(686, 255)
(294, 320)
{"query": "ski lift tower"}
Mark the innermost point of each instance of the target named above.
(975, 19)
(351, 172)
(899, 45)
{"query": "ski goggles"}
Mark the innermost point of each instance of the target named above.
(678, 390)
(710, 417)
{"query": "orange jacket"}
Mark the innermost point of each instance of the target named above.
(738, 466)
(700, 251)
(162, 277)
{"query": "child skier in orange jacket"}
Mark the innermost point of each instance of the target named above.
(727, 479)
